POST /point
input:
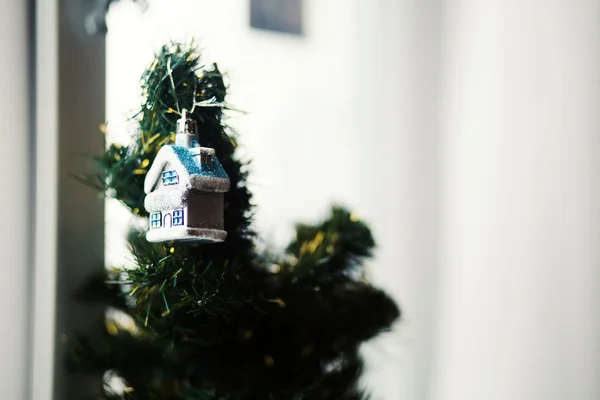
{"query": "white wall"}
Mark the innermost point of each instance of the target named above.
(334, 116)
(300, 96)
(15, 162)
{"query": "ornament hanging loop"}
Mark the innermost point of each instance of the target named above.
(187, 131)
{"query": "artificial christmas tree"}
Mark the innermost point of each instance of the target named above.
(224, 321)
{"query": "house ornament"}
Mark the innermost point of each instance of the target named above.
(184, 190)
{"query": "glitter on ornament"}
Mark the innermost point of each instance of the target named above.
(184, 190)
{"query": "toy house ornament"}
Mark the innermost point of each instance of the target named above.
(184, 190)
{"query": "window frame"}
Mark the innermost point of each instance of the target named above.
(153, 220)
(173, 179)
(178, 217)
(68, 226)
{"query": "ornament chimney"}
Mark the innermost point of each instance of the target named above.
(187, 133)
(206, 156)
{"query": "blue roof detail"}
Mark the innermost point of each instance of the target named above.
(186, 158)
(215, 170)
(194, 167)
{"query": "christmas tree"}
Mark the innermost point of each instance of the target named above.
(226, 321)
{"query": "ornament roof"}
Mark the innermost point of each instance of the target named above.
(194, 170)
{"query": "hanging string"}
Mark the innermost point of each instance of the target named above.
(194, 99)
(170, 72)
(212, 102)
(204, 103)
(209, 103)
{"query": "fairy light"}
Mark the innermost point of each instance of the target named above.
(269, 361)
(278, 301)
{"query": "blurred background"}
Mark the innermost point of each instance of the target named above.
(467, 132)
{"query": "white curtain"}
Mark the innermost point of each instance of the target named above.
(519, 300)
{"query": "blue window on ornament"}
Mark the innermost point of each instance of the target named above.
(170, 178)
(155, 220)
(178, 218)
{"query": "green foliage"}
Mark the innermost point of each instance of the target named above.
(223, 322)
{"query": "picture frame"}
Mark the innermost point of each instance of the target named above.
(284, 16)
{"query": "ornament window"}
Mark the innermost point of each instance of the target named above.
(170, 177)
(178, 218)
(156, 220)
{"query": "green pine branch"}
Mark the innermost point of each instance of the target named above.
(223, 321)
